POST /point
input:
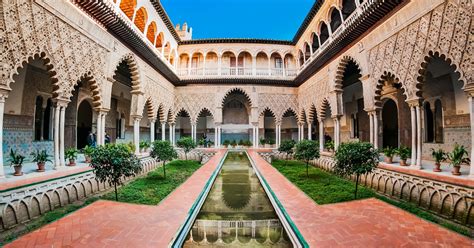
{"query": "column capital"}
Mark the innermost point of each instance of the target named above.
(469, 89)
(364, 77)
(336, 117)
(413, 102)
(60, 102)
(136, 117)
(152, 120)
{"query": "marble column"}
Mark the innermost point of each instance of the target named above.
(103, 126)
(136, 133)
(163, 131)
(336, 132)
(174, 134)
(99, 129)
(299, 132)
(170, 129)
(309, 131)
(216, 145)
(302, 131)
(413, 135)
(277, 133)
(57, 161)
(257, 136)
(371, 127)
(62, 121)
(418, 137)
(152, 130)
(376, 130)
(471, 111)
(219, 136)
(321, 136)
(2, 111)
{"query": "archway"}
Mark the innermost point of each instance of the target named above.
(289, 126)
(236, 112)
(84, 123)
(267, 118)
(323, 33)
(390, 124)
(205, 134)
(182, 124)
(314, 122)
(335, 19)
(328, 123)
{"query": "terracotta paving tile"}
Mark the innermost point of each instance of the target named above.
(361, 223)
(115, 224)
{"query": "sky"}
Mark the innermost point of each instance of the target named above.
(263, 19)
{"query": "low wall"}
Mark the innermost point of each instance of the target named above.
(450, 201)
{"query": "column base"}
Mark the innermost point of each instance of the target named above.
(414, 166)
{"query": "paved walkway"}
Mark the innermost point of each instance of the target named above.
(362, 223)
(115, 224)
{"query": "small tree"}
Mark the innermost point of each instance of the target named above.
(113, 162)
(356, 158)
(187, 143)
(163, 151)
(286, 146)
(307, 150)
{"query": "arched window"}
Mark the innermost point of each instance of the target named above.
(324, 33)
(128, 7)
(438, 122)
(141, 19)
(348, 6)
(159, 40)
(307, 52)
(335, 19)
(301, 58)
(429, 123)
(315, 42)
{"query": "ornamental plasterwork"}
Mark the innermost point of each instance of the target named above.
(31, 32)
(277, 104)
(441, 31)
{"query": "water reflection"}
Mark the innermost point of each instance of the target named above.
(237, 212)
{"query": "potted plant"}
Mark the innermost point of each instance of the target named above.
(329, 145)
(271, 142)
(41, 157)
(226, 143)
(456, 157)
(88, 150)
(233, 143)
(403, 152)
(144, 145)
(71, 154)
(262, 141)
(439, 156)
(16, 160)
(388, 152)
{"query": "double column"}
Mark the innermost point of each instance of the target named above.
(321, 135)
(374, 127)
(101, 127)
(193, 131)
(136, 133)
(337, 131)
(255, 134)
(217, 135)
(471, 112)
(152, 130)
(59, 120)
(172, 133)
(300, 131)
(278, 134)
(415, 116)
(3, 96)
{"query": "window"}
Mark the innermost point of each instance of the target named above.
(278, 63)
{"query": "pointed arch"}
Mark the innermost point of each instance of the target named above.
(386, 78)
(340, 71)
(292, 111)
(323, 107)
(141, 18)
(150, 108)
(236, 90)
(159, 40)
(94, 87)
(151, 32)
(128, 7)
(132, 63)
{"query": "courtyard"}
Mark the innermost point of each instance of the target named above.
(171, 123)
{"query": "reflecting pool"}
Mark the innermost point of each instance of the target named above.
(237, 212)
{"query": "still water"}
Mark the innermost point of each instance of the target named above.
(237, 212)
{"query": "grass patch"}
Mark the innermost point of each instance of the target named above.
(149, 189)
(153, 188)
(321, 186)
(324, 188)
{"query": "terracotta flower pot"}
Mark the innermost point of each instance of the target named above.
(72, 162)
(18, 171)
(40, 167)
(388, 160)
(88, 159)
(456, 170)
(403, 162)
(437, 167)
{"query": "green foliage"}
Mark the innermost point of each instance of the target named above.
(287, 146)
(307, 150)
(163, 151)
(41, 156)
(226, 143)
(355, 158)
(88, 150)
(16, 159)
(131, 146)
(233, 143)
(144, 144)
(270, 141)
(438, 155)
(113, 162)
(71, 153)
(187, 143)
(457, 156)
(389, 151)
(241, 142)
(329, 145)
(154, 187)
(262, 141)
(403, 152)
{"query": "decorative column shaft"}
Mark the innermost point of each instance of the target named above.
(170, 128)
(321, 136)
(299, 132)
(418, 137)
(216, 145)
(152, 130)
(471, 111)
(62, 121)
(57, 161)
(413, 135)
(302, 131)
(371, 127)
(309, 131)
(163, 131)
(336, 132)
(376, 130)
(2, 111)
(136, 133)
